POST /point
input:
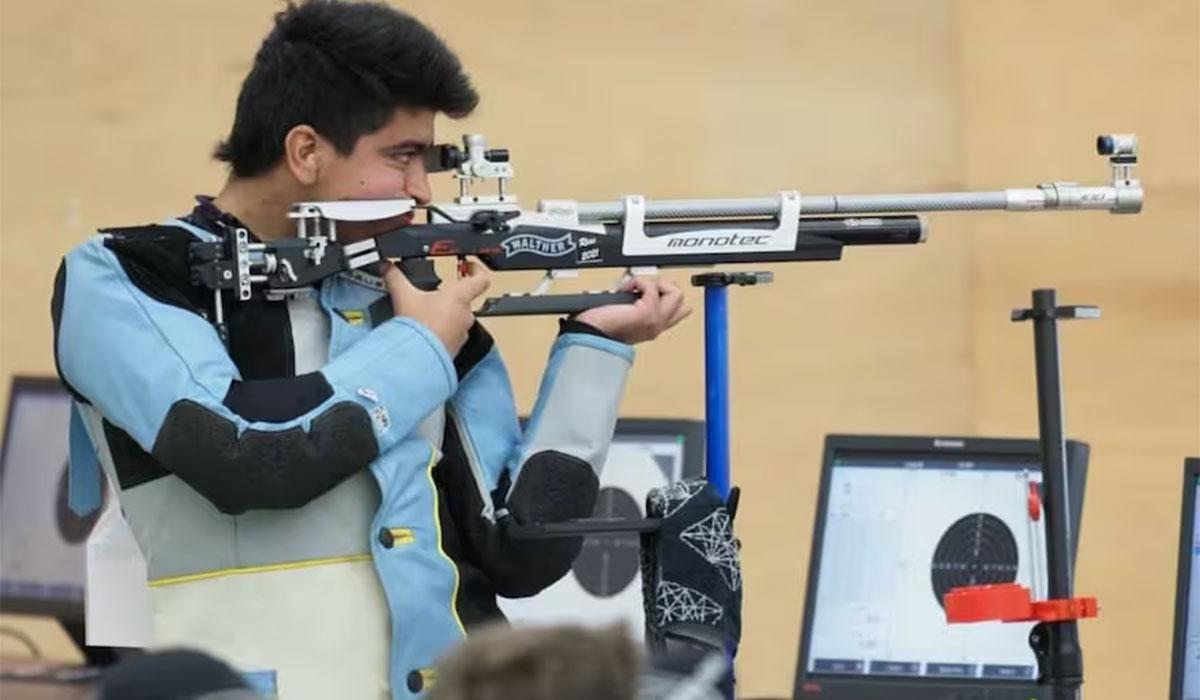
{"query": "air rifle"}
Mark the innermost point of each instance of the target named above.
(638, 235)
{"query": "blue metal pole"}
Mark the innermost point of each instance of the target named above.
(716, 383)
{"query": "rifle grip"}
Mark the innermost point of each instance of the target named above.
(420, 272)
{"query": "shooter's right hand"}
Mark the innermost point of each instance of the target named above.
(447, 311)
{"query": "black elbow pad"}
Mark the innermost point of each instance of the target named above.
(552, 487)
(263, 469)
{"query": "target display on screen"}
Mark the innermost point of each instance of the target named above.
(977, 550)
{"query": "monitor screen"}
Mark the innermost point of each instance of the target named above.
(1185, 663)
(901, 523)
(42, 543)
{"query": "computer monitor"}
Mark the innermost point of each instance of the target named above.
(1185, 651)
(604, 584)
(42, 543)
(901, 521)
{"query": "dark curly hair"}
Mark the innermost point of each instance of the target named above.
(343, 68)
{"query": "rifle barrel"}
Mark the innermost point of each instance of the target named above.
(1126, 198)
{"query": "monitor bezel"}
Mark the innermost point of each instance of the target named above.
(692, 432)
(71, 611)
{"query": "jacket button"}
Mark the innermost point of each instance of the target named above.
(387, 540)
(416, 681)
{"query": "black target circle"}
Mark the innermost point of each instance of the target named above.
(977, 550)
(607, 564)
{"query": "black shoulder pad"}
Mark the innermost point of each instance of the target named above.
(157, 259)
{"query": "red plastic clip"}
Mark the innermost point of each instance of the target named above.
(1035, 503)
(1010, 602)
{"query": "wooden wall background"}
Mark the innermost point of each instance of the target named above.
(109, 110)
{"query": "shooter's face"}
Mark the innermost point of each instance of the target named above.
(386, 164)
